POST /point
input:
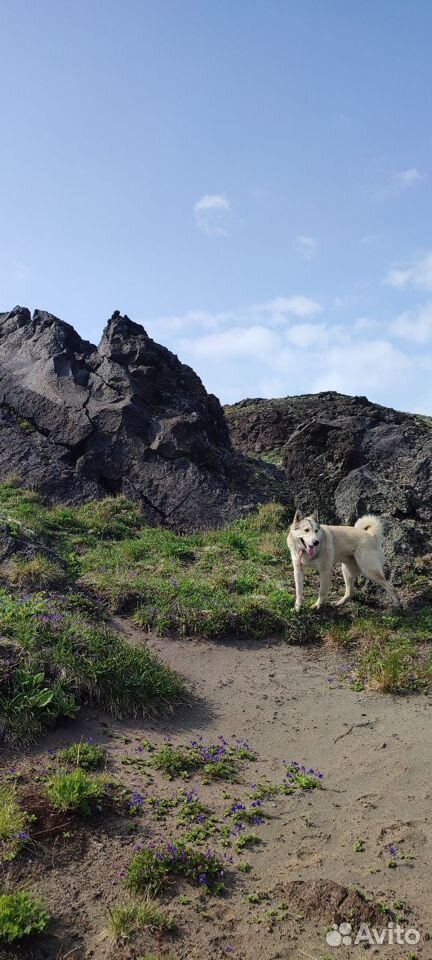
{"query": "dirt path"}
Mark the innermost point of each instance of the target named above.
(375, 754)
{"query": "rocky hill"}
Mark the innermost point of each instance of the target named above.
(347, 456)
(79, 421)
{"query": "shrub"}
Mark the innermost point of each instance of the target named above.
(88, 756)
(20, 915)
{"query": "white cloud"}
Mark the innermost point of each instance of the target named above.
(414, 325)
(256, 341)
(306, 246)
(362, 366)
(274, 313)
(400, 182)
(188, 322)
(306, 335)
(285, 345)
(366, 324)
(272, 387)
(210, 213)
(281, 307)
(407, 178)
(417, 274)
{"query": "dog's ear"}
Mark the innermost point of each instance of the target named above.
(298, 516)
(315, 516)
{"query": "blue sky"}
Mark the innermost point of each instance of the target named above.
(251, 180)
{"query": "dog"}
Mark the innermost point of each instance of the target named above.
(357, 548)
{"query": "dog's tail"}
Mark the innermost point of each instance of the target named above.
(370, 525)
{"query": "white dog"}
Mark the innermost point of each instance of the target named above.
(357, 548)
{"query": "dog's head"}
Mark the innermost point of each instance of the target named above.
(307, 532)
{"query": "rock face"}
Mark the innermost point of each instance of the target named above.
(78, 422)
(347, 456)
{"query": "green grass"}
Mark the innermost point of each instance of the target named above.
(13, 823)
(54, 659)
(274, 456)
(12, 817)
(128, 919)
(38, 572)
(20, 916)
(225, 584)
(77, 791)
(211, 584)
(111, 518)
(392, 651)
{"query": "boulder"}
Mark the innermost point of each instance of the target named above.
(78, 422)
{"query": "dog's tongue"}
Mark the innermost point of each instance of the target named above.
(310, 551)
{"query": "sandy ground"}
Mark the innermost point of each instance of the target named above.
(375, 754)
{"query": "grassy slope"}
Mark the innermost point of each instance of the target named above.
(57, 650)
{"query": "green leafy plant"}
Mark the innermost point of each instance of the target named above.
(246, 840)
(20, 915)
(155, 865)
(216, 760)
(28, 704)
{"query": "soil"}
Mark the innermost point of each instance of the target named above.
(306, 874)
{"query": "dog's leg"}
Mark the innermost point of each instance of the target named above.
(350, 572)
(298, 580)
(377, 576)
(324, 587)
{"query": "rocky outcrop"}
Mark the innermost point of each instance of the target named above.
(79, 421)
(347, 456)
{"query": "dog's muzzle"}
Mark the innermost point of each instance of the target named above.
(311, 549)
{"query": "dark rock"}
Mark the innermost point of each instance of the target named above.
(348, 456)
(78, 422)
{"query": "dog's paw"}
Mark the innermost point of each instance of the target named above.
(297, 607)
(317, 605)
